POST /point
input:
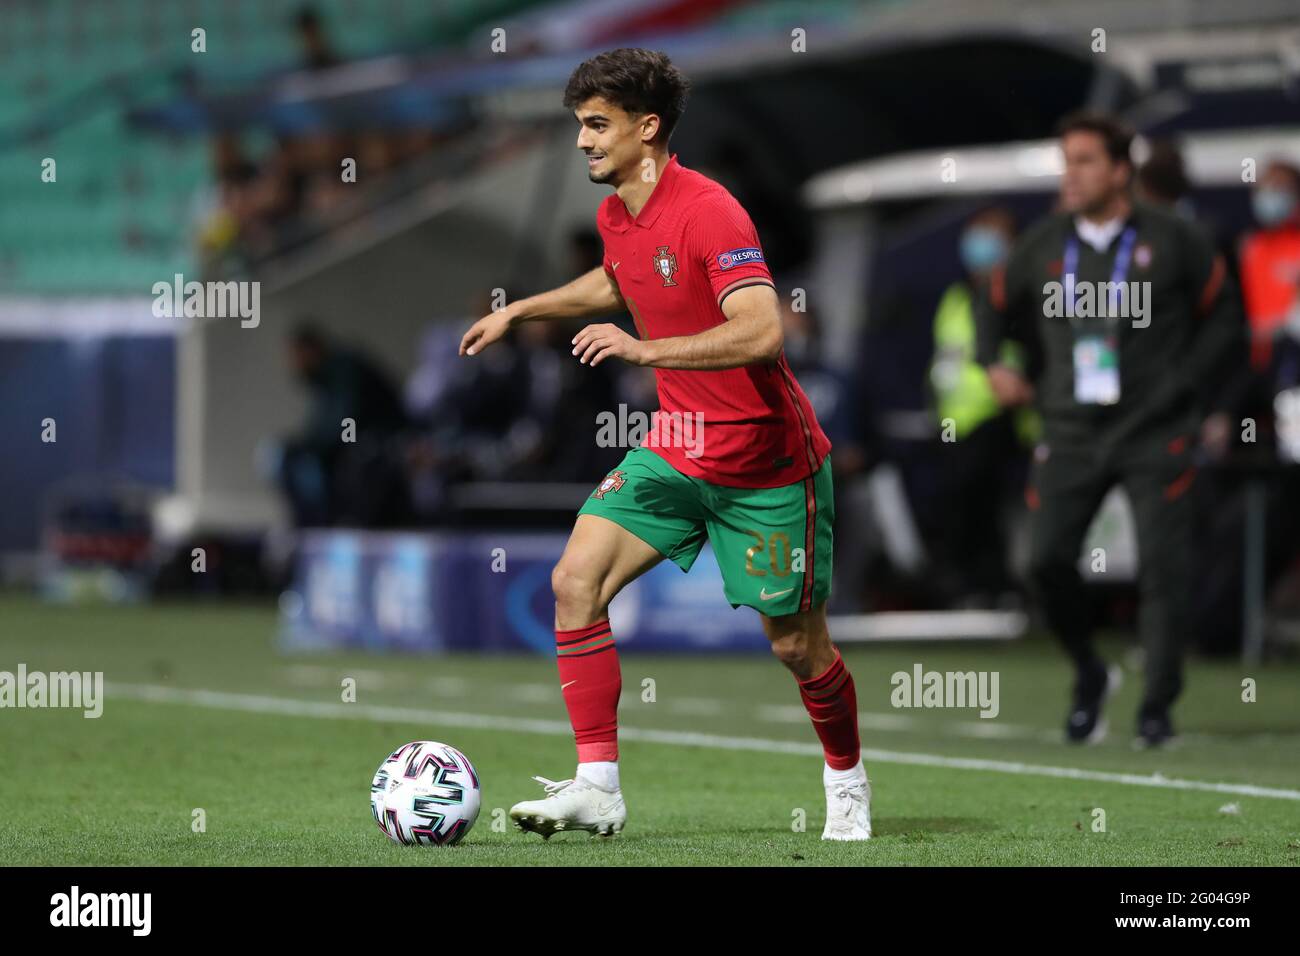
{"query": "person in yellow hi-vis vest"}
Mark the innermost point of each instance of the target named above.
(982, 445)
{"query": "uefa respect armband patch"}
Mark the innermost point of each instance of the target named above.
(740, 257)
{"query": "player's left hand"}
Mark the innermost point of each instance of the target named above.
(595, 343)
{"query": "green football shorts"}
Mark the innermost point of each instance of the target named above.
(772, 544)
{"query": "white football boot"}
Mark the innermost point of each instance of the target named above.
(848, 810)
(571, 805)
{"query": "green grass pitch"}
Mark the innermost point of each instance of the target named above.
(202, 712)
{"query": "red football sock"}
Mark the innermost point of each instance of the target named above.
(591, 682)
(832, 704)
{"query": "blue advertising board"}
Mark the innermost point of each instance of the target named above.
(438, 592)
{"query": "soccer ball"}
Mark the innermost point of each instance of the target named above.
(425, 793)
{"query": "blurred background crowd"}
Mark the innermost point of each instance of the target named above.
(389, 171)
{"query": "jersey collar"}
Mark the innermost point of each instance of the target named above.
(659, 198)
(1102, 237)
(1098, 235)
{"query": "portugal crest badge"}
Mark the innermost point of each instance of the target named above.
(666, 265)
(613, 481)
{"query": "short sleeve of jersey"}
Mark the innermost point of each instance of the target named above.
(727, 243)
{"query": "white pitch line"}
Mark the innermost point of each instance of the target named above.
(695, 706)
(448, 686)
(867, 720)
(992, 729)
(533, 693)
(254, 703)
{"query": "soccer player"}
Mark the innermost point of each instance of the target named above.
(734, 454)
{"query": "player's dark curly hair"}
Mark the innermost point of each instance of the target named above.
(636, 81)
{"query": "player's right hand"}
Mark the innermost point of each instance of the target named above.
(1010, 388)
(484, 332)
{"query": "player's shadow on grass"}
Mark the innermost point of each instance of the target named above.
(905, 828)
(921, 828)
(1278, 729)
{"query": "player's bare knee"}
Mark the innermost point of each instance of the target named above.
(791, 649)
(577, 595)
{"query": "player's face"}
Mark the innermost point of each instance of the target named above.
(611, 140)
(1091, 178)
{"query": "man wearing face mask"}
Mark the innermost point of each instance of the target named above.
(1270, 259)
(980, 441)
(1131, 321)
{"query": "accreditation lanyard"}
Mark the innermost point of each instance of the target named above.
(1118, 275)
(1096, 355)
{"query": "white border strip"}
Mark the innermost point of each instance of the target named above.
(253, 703)
(929, 626)
(61, 316)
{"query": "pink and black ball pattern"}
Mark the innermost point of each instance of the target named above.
(425, 793)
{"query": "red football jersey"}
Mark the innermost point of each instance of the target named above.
(690, 247)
